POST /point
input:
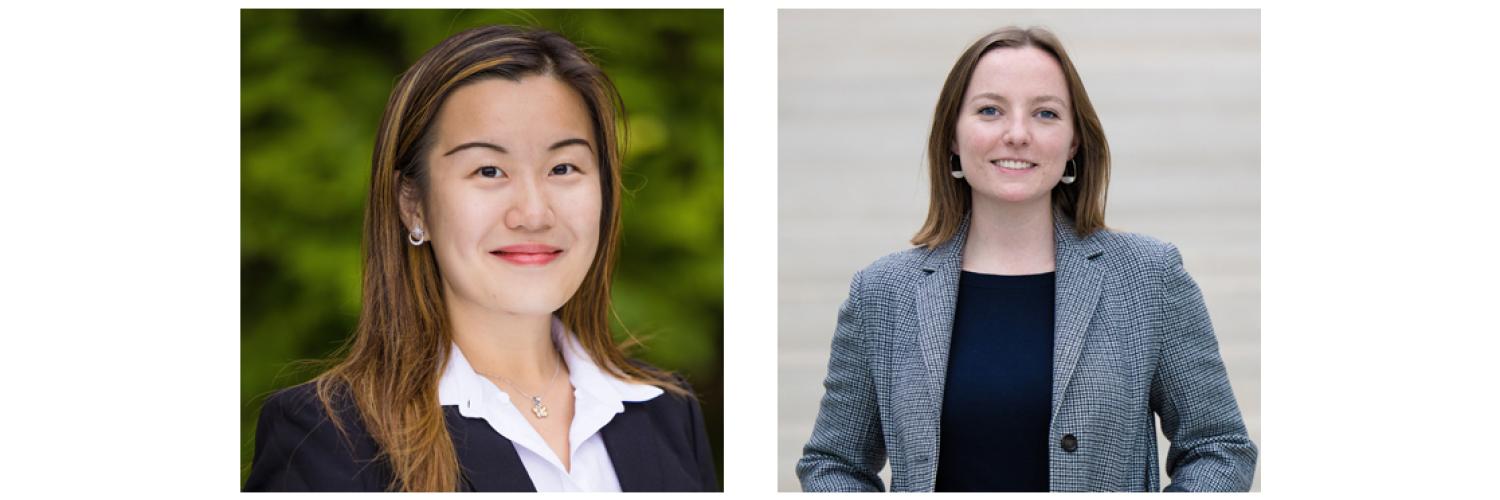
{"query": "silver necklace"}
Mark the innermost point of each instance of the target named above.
(537, 408)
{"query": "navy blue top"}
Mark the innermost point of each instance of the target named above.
(997, 402)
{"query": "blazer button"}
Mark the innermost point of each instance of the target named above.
(1069, 443)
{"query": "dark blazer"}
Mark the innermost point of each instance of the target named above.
(1133, 343)
(655, 445)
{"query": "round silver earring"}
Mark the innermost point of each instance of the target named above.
(1068, 179)
(416, 237)
(958, 170)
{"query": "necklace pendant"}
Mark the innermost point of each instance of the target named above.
(537, 408)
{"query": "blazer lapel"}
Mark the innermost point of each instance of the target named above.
(1078, 285)
(489, 461)
(937, 298)
(628, 440)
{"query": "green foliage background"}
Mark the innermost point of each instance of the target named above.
(313, 85)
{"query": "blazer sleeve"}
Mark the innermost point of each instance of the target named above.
(298, 448)
(703, 453)
(847, 447)
(1210, 450)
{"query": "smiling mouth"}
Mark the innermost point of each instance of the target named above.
(1014, 165)
(530, 254)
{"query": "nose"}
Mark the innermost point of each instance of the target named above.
(1016, 134)
(530, 209)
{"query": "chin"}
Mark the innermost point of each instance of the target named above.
(533, 303)
(1013, 195)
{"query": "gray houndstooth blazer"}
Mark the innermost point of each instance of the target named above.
(1133, 340)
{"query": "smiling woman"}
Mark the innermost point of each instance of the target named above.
(1021, 345)
(483, 360)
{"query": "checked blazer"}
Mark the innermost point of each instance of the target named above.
(1133, 341)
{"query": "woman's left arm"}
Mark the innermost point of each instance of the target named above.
(704, 455)
(1210, 451)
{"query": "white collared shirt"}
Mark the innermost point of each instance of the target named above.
(597, 397)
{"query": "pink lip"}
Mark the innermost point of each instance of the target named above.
(528, 254)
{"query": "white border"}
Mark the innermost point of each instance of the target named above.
(120, 288)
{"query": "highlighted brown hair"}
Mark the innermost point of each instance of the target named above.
(1083, 200)
(390, 366)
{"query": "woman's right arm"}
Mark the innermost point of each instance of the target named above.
(298, 448)
(847, 448)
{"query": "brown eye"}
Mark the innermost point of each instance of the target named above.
(564, 169)
(490, 172)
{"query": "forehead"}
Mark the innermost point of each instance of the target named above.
(533, 110)
(1018, 72)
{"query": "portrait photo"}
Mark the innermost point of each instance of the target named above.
(481, 250)
(1019, 250)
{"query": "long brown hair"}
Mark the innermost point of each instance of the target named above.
(1083, 200)
(390, 367)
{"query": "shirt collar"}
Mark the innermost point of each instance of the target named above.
(460, 386)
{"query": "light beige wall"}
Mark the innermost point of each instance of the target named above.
(1178, 93)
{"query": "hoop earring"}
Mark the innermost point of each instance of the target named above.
(1068, 179)
(416, 237)
(958, 171)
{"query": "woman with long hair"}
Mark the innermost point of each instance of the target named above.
(1021, 345)
(483, 358)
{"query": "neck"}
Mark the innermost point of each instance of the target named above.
(518, 347)
(1010, 238)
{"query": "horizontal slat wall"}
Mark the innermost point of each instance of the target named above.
(1178, 93)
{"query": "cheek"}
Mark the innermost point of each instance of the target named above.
(460, 218)
(581, 211)
(971, 136)
(1060, 141)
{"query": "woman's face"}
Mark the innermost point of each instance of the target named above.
(514, 201)
(1015, 126)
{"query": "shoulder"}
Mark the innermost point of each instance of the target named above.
(677, 406)
(298, 399)
(1134, 246)
(668, 397)
(898, 263)
(301, 405)
(299, 446)
(892, 271)
(1134, 251)
(298, 413)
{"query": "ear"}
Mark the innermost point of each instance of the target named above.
(1073, 148)
(411, 206)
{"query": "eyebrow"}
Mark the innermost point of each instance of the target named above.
(501, 149)
(468, 145)
(570, 142)
(1041, 98)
